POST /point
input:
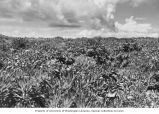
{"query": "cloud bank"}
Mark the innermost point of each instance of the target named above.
(93, 15)
(131, 25)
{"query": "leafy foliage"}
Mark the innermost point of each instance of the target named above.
(79, 73)
(20, 43)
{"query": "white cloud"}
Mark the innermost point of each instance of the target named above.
(93, 33)
(96, 17)
(67, 12)
(70, 12)
(131, 25)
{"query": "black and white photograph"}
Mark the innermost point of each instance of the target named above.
(71, 54)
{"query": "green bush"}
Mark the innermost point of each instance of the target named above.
(20, 43)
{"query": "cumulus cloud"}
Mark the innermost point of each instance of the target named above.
(91, 17)
(131, 25)
(94, 14)
(93, 33)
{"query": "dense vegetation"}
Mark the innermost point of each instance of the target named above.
(79, 73)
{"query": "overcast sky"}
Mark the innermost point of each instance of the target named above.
(77, 18)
